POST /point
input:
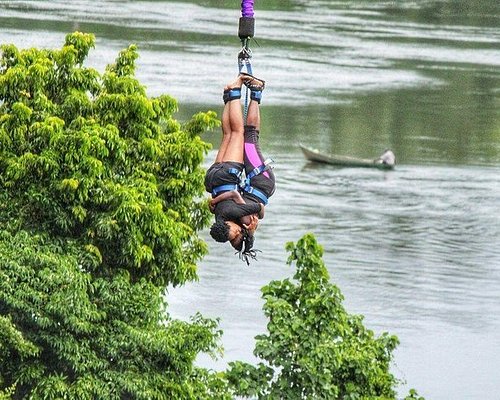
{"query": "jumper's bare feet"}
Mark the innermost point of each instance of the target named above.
(252, 82)
(235, 84)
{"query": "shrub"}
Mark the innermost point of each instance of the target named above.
(314, 348)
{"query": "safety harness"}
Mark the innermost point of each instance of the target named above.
(244, 185)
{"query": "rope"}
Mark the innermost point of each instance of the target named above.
(244, 64)
(247, 8)
(245, 33)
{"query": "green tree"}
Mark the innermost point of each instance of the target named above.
(91, 158)
(314, 348)
(65, 335)
(100, 205)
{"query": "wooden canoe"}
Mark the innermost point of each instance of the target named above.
(342, 161)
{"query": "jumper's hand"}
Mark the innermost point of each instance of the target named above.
(261, 212)
(254, 222)
(211, 205)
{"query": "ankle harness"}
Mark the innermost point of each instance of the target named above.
(231, 94)
(256, 95)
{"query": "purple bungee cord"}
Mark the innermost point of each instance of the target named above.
(247, 8)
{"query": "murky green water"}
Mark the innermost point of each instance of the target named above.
(416, 250)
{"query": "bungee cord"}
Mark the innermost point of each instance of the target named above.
(246, 32)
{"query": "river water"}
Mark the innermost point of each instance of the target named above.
(416, 250)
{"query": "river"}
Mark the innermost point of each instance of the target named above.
(415, 250)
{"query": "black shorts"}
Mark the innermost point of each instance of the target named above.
(219, 174)
(265, 182)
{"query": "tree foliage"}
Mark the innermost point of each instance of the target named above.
(92, 158)
(314, 348)
(67, 335)
(100, 208)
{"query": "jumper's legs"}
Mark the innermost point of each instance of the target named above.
(253, 157)
(231, 148)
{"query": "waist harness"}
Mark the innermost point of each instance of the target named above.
(244, 185)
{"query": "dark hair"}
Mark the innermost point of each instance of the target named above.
(248, 240)
(247, 253)
(220, 231)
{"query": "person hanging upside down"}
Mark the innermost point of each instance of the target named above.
(236, 215)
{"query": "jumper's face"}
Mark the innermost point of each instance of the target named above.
(234, 230)
(235, 234)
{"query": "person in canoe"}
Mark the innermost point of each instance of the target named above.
(240, 180)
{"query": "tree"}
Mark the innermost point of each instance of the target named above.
(100, 205)
(314, 348)
(67, 335)
(93, 159)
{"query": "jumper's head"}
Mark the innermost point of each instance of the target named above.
(222, 231)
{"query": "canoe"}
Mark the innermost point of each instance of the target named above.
(346, 161)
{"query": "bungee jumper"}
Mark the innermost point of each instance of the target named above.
(240, 180)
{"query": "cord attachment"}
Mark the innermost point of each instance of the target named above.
(246, 27)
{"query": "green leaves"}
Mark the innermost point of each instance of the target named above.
(81, 43)
(92, 158)
(66, 334)
(100, 207)
(314, 349)
(125, 63)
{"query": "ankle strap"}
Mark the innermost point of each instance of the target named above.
(231, 94)
(256, 95)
